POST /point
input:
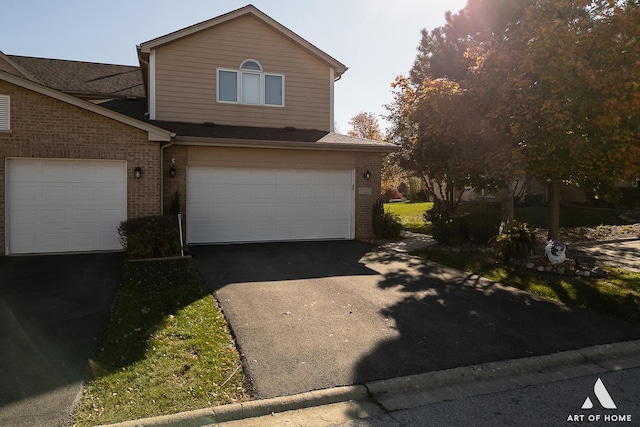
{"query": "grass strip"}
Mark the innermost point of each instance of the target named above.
(167, 349)
(616, 295)
(411, 215)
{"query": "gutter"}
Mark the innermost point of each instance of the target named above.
(289, 145)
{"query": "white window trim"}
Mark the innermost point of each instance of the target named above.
(5, 119)
(239, 73)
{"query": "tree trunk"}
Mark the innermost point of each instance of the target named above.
(554, 208)
(507, 204)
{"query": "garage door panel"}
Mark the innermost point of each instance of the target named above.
(65, 205)
(54, 217)
(84, 194)
(112, 216)
(244, 205)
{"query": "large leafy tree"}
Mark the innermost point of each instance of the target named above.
(447, 140)
(563, 85)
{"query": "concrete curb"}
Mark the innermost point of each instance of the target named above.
(595, 354)
(254, 408)
(378, 390)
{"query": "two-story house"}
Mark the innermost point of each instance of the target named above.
(232, 116)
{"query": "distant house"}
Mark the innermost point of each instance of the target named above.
(233, 115)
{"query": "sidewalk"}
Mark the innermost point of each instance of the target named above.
(624, 254)
(343, 404)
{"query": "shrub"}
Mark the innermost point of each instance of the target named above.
(392, 227)
(385, 224)
(150, 237)
(447, 230)
(442, 227)
(377, 216)
(515, 241)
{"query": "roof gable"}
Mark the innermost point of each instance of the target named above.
(147, 47)
(155, 133)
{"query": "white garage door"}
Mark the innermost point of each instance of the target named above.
(64, 205)
(227, 205)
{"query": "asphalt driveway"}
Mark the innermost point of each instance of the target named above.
(314, 315)
(52, 310)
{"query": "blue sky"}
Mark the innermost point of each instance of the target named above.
(376, 39)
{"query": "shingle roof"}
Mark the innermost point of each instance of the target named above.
(248, 135)
(84, 79)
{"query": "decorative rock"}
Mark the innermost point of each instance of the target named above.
(540, 268)
(530, 265)
(583, 273)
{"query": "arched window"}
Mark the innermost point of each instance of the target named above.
(250, 85)
(250, 64)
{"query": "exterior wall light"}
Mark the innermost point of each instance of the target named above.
(172, 172)
(137, 172)
(367, 175)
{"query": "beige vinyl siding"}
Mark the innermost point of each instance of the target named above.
(269, 158)
(186, 78)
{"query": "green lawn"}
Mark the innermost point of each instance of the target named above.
(167, 349)
(411, 215)
(617, 295)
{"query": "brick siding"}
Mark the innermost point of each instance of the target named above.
(43, 127)
(366, 192)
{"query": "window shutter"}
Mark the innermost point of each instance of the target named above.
(5, 123)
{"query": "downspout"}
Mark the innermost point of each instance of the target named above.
(162, 148)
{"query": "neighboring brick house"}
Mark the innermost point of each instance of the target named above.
(234, 115)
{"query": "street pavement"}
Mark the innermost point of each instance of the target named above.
(550, 404)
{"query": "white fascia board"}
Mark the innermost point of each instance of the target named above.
(152, 85)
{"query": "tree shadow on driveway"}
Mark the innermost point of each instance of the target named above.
(313, 315)
(450, 318)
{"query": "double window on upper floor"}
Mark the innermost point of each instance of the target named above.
(250, 85)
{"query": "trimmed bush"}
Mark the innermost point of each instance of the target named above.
(150, 237)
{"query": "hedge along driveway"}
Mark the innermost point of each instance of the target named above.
(150, 237)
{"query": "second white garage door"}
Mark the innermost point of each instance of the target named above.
(229, 205)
